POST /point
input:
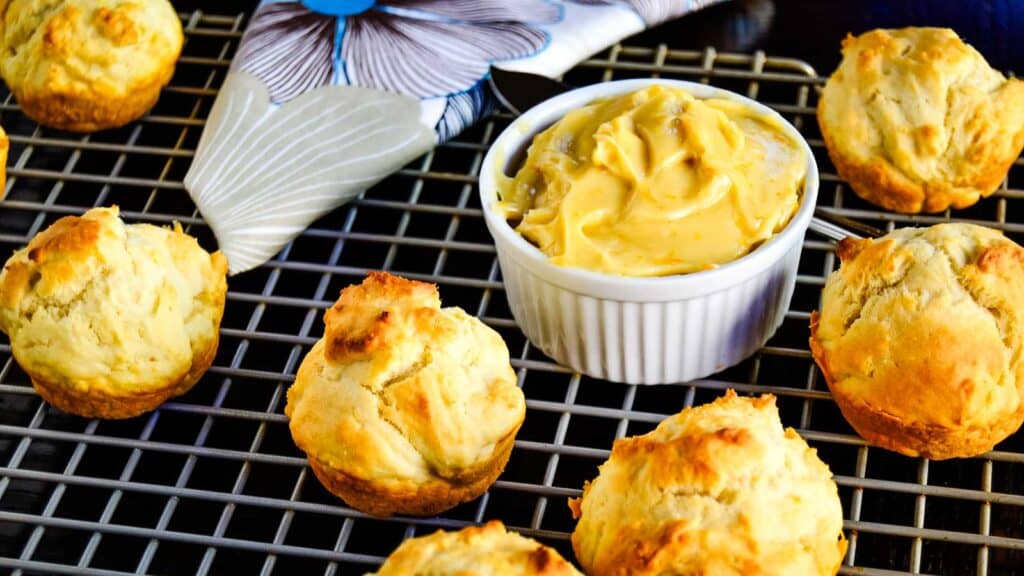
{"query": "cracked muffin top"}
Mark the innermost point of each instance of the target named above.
(103, 306)
(923, 329)
(916, 120)
(716, 489)
(400, 389)
(475, 551)
(86, 65)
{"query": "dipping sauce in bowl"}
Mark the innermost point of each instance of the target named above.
(648, 230)
(656, 182)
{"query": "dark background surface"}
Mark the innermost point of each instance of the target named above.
(811, 29)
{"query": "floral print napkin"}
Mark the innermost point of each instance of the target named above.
(327, 97)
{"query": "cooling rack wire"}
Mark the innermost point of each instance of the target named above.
(212, 484)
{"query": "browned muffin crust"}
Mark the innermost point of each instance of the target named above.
(919, 339)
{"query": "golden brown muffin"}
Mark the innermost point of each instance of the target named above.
(717, 489)
(920, 339)
(404, 407)
(917, 121)
(108, 319)
(475, 551)
(85, 65)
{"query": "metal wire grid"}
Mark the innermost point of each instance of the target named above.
(211, 483)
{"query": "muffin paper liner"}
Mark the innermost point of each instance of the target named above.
(327, 97)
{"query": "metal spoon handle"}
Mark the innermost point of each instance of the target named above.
(830, 230)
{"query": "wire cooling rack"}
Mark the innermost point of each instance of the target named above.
(212, 484)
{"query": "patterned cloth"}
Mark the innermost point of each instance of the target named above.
(327, 97)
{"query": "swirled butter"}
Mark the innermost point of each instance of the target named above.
(655, 182)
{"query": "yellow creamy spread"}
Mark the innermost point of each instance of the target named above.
(655, 182)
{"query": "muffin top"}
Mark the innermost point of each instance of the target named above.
(475, 551)
(716, 489)
(76, 47)
(925, 324)
(94, 303)
(920, 114)
(401, 389)
(656, 182)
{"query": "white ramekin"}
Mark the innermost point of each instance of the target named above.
(643, 330)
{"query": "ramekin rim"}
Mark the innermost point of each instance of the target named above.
(589, 282)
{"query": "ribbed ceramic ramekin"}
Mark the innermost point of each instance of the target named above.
(642, 330)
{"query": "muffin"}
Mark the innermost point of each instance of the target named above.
(916, 120)
(86, 65)
(475, 551)
(404, 406)
(109, 319)
(920, 339)
(717, 489)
